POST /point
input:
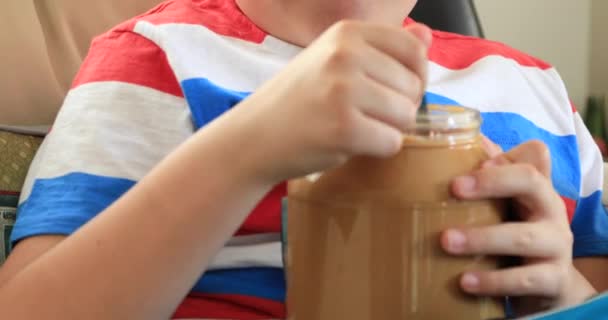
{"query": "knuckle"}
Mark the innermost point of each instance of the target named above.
(540, 149)
(409, 109)
(485, 180)
(525, 240)
(530, 171)
(541, 282)
(400, 108)
(542, 153)
(341, 114)
(527, 282)
(339, 93)
(345, 28)
(342, 56)
(568, 237)
(344, 129)
(477, 240)
(420, 51)
(418, 85)
(493, 282)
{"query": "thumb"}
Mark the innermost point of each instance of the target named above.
(422, 32)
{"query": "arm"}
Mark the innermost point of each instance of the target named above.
(111, 245)
(154, 242)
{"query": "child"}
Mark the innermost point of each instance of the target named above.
(163, 175)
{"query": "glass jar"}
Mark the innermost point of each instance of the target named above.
(363, 238)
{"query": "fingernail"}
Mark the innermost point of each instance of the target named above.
(470, 282)
(466, 184)
(456, 241)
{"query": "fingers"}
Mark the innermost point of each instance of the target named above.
(534, 153)
(390, 73)
(534, 280)
(401, 44)
(373, 138)
(521, 181)
(380, 71)
(544, 239)
(385, 104)
(536, 240)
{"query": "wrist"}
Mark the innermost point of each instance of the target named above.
(577, 290)
(242, 145)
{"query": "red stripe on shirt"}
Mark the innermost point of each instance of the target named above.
(455, 51)
(121, 55)
(198, 305)
(220, 16)
(266, 217)
(570, 207)
(458, 52)
(573, 106)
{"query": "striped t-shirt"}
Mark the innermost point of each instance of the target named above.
(151, 82)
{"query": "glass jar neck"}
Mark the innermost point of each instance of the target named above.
(445, 124)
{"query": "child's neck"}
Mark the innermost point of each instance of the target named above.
(301, 21)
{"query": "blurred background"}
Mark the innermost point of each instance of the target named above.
(572, 35)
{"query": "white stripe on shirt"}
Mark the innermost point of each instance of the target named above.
(122, 136)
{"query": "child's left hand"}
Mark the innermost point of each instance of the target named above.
(547, 277)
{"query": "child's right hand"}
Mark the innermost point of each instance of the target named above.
(351, 92)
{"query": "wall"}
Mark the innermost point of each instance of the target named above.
(557, 31)
(599, 48)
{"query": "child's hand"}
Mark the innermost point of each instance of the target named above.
(543, 238)
(350, 93)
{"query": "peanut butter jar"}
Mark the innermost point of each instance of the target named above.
(362, 240)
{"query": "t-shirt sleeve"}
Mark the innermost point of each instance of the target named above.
(124, 113)
(590, 221)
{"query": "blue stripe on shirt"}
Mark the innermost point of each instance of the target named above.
(267, 283)
(59, 206)
(208, 101)
(590, 226)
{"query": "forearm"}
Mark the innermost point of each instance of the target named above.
(139, 257)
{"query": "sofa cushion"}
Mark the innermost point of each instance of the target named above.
(16, 154)
(44, 42)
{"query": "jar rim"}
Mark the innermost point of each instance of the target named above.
(439, 116)
(445, 123)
